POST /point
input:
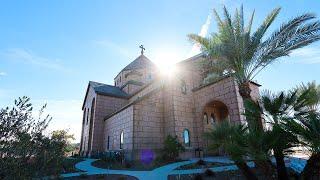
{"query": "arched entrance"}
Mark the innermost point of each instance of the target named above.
(214, 112)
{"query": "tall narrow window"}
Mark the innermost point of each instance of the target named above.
(87, 116)
(121, 140)
(205, 118)
(108, 143)
(212, 118)
(186, 137)
(183, 87)
(84, 116)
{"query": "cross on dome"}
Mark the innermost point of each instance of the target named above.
(142, 48)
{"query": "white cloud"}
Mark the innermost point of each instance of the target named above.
(3, 73)
(307, 55)
(28, 57)
(109, 45)
(66, 114)
(203, 33)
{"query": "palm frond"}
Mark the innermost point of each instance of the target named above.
(257, 36)
(199, 39)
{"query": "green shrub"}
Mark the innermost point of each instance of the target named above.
(172, 148)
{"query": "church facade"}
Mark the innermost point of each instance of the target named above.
(143, 107)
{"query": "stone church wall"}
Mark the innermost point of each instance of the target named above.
(223, 91)
(87, 107)
(105, 105)
(148, 122)
(122, 121)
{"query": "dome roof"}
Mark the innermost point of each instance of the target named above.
(139, 63)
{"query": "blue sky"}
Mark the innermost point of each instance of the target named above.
(49, 50)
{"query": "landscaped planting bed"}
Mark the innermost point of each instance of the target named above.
(225, 175)
(103, 176)
(202, 164)
(69, 165)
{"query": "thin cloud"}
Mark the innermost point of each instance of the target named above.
(109, 45)
(3, 73)
(203, 33)
(307, 55)
(28, 57)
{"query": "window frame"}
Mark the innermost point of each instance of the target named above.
(184, 137)
(212, 118)
(207, 119)
(121, 139)
(108, 143)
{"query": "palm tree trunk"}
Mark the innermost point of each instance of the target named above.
(281, 166)
(245, 169)
(266, 169)
(264, 166)
(245, 93)
(312, 168)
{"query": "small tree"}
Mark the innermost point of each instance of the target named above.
(25, 151)
(172, 148)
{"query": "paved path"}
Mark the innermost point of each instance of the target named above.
(162, 173)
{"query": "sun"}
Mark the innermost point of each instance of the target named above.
(166, 61)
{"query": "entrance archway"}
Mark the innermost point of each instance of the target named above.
(215, 112)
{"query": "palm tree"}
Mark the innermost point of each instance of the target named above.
(231, 138)
(275, 110)
(308, 130)
(237, 51)
(307, 126)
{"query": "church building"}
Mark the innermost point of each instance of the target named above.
(144, 106)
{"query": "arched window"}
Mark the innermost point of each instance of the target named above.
(121, 140)
(205, 118)
(186, 137)
(212, 119)
(183, 87)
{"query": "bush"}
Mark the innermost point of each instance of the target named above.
(128, 164)
(172, 148)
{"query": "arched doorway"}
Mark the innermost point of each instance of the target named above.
(214, 112)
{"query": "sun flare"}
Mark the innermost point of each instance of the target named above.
(166, 60)
(167, 70)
